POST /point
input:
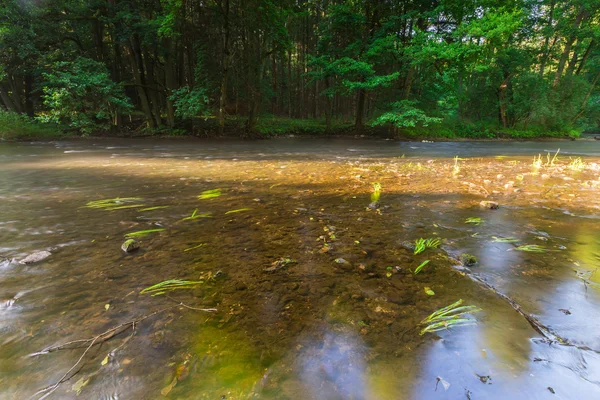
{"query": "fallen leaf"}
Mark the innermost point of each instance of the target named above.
(77, 386)
(168, 389)
(106, 307)
(429, 291)
(105, 361)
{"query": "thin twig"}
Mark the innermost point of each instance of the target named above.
(107, 335)
(98, 339)
(180, 303)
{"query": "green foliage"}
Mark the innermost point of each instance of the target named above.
(423, 244)
(404, 114)
(14, 126)
(420, 267)
(272, 126)
(437, 69)
(190, 102)
(376, 192)
(448, 317)
(170, 285)
(210, 194)
(115, 204)
(81, 95)
(143, 233)
(531, 248)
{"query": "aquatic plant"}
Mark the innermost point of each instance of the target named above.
(532, 248)
(195, 247)
(551, 162)
(420, 267)
(238, 210)
(210, 194)
(114, 204)
(447, 317)
(152, 208)
(196, 215)
(537, 162)
(504, 240)
(456, 167)
(468, 259)
(577, 164)
(170, 285)
(376, 192)
(422, 244)
(143, 233)
(473, 220)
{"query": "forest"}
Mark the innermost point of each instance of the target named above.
(421, 68)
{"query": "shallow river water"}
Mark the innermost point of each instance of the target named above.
(315, 293)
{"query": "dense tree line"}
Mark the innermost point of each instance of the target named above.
(100, 64)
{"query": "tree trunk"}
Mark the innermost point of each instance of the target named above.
(360, 110)
(140, 86)
(170, 79)
(546, 50)
(28, 92)
(584, 58)
(587, 97)
(6, 100)
(225, 68)
(502, 101)
(567, 50)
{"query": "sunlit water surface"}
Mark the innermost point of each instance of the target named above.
(341, 320)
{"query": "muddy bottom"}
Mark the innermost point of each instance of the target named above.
(313, 275)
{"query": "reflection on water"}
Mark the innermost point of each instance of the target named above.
(335, 368)
(339, 320)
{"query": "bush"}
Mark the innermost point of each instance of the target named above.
(14, 126)
(81, 95)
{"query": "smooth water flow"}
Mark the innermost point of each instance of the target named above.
(315, 292)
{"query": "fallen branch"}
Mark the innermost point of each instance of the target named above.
(534, 322)
(96, 340)
(549, 335)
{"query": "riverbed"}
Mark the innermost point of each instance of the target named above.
(314, 286)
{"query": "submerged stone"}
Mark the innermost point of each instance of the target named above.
(492, 205)
(130, 245)
(36, 257)
(374, 205)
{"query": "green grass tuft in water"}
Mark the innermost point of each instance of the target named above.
(422, 244)
(473, 220)
(152, 208)
(143, 233)
(447, 317)
(376, 192)
(170, 285)
(420, 267)
(210, 194)
(504, 239)
(532, 248)
(577, 164)
(118, 203)
(195, 247)
(238, 210)
(195, 215)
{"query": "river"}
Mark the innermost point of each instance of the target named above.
(315, 292)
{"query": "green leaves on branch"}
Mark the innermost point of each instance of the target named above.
(404, 114)
(81, 95)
